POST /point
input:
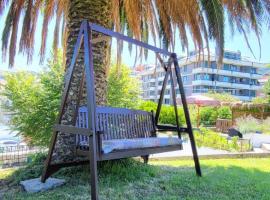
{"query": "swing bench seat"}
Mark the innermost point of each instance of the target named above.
(124, 133)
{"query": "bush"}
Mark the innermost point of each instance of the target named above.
(208, 115)
(35, 100)
(167, 114)
(209, 138)
(248, 124)
(266, 126)
(224, 112)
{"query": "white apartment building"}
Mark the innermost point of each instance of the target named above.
(237, 75)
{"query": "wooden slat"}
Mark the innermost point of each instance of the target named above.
(119, 123)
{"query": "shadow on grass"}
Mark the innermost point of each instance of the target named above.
(130, 179)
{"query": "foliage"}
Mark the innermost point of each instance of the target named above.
(123, 90)
(167, 114)
(208, 138)
(259, 100)
(224, 112)
(222, 97)
(35, 100)
(161, 179)
(206, 22)
(208, 115)
(250, 124)
(266, 89)
(266, 126)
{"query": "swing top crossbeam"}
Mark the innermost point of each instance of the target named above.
(119, 36)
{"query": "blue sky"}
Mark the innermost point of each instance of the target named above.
(237, 42)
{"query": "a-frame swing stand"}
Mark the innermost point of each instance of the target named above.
(94, 151)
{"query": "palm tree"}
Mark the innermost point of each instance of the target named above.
(204, 19)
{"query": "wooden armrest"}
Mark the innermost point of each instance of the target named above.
(72, 130)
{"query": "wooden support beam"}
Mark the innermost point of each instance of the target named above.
(91, 107)
(70, 71)
(187, 116)
(72, 130)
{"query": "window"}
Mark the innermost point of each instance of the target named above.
(226, 67)
(233, 91)
(253, 70)
(185, 79)
(152, 93)
(234, 68)
(226, 79)
(206, 77)
(252, 93)
(152, 84)
(167, 101)
(213, 65)
(185, 68)
(160, 83)
(167, 92)
(232, 55)
(197, 76)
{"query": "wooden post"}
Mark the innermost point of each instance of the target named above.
(188, 121)
(47, 170)
(91, 107)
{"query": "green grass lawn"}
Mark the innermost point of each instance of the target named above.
(129, 179)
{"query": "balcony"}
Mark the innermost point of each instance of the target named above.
(202, 82)
(226, 84)
(225, 72)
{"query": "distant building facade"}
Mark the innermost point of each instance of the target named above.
(237, 76)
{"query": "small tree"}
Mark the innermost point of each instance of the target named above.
(123, 90)
(35, 100)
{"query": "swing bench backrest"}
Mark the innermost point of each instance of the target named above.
(118, 123)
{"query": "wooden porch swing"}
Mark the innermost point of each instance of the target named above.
(106, 133)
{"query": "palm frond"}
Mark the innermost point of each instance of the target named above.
(18, 5)
(203, 19)
(48, 14)
(214, 13)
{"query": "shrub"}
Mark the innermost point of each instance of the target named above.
(248, 124)
(209, 138)
(266, 126)
(208, 115)
(35, 100)
(224, 112)
(167, 114)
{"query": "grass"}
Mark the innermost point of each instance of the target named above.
(130, 179)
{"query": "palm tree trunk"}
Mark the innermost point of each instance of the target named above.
(96, 11)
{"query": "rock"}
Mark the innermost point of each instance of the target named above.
(35, 185)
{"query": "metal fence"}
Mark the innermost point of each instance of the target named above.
(11, 156)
